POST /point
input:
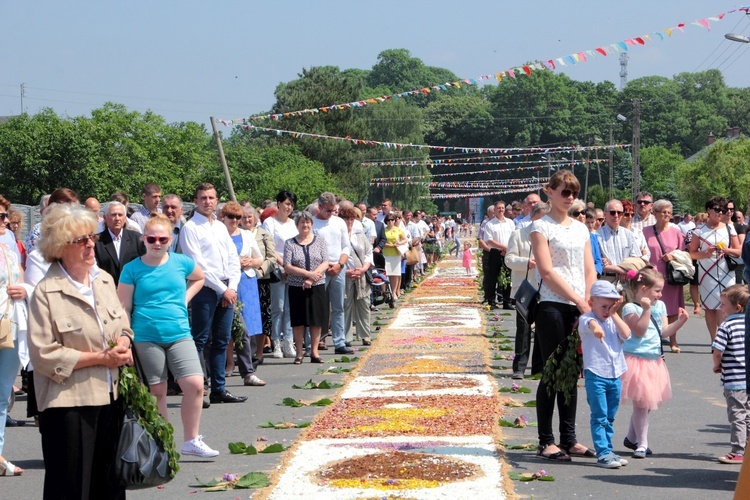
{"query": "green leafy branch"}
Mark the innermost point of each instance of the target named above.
(143, 405)
(283, 425)
(252, 480)
(297, 404)
(563, 367)
(240, 448)
(346, 359)
(320, 385)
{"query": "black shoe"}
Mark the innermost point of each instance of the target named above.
(12, 422)
(344, 350)
(267, 350)
(348, 344)
(206, 404)
(627, 443)
(226, 397)
(256, 363)
(366, 343)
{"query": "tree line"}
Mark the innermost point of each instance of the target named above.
(115, 148)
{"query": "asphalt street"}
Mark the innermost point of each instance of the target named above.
(687, 434)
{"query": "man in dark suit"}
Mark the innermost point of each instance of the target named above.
(117, 246)
(377, 246)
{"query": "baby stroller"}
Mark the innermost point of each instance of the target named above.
(381, 289)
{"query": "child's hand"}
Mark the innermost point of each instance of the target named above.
(615, 307)
(645, 303)
(596, 330)
(682, 315)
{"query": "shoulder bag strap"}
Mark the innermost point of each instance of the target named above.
(658, 239)
(10, 277)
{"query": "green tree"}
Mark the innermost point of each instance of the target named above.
(658, 165)
(724, 170)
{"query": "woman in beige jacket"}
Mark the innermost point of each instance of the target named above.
(78, 337)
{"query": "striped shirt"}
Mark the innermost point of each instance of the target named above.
(730, 339)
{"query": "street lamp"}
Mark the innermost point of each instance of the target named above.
(735, 37)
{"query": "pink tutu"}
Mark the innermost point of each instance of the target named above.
(646, 383)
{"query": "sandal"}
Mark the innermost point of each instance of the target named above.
(316, 359)
(558, 456)
(298, 361)
(586, 454)
(8, 469)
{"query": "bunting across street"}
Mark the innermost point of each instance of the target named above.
(548, 64)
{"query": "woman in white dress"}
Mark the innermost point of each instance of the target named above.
(711, 242)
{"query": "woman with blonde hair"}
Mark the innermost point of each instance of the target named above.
(78, 338)
(154, 290)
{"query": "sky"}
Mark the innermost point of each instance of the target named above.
(189, 60)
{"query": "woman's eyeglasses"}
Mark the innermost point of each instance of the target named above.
(390, 220)
(161, 239)
(577, 213)
(566, 193)
(233, 217)
(83, 240)
(3, 215)
(628, 214)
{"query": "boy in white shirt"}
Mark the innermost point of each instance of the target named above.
(602, 333)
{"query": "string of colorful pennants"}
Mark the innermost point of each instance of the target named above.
(514, 183)
(549, 64)
(427, 147)
(536, 166)
(479, 194)
(539, 151)
(403, 178)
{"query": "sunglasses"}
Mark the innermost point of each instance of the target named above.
(600, 219)
(615, 213)
(627, 214)
(718, 210)
(577, 213)
(390, 220)
(644, 202)
(566, 193)
(3, 215)
(233, 217)
(161, 239)
(83, 240)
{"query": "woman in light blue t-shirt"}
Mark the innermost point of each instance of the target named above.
(155, 290)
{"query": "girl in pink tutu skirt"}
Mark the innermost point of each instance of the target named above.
(646, 382)
(467, 257)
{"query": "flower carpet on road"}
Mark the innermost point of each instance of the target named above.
(419, 417)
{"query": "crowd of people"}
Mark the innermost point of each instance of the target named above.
(617, 274)
(194, 296)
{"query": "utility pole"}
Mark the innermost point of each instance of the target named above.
(23, 92)
(611, 159)
(223, 160)
(636, 147)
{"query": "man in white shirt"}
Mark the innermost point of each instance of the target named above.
(687, 224)
(151, 197)
(367, 224)
(617, 243)
(496, 235)
(385, 208)
(207, 242)
(334, 232)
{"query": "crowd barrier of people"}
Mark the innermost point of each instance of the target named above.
(195, 296)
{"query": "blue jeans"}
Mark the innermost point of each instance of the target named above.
(603, 395)
(9, 366)
(212, 322)
(336, 286)
(280, 324)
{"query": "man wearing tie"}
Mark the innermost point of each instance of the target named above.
(117, 246)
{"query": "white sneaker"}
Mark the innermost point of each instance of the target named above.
(198, 448)
(288, 349)
(277, 350)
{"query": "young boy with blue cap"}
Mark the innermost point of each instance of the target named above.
(602, 333)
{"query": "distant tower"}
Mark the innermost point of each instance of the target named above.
(623, 70)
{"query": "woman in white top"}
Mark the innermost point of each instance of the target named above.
(281, 228)
(562, 252)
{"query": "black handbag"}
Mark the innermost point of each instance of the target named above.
(674, 276)
(731, 263)
(276, 275)
(140, 461)
(527, 298)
